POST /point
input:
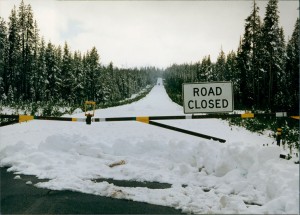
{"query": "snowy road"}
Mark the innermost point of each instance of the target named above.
(239, 176)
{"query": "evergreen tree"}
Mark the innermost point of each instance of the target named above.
(10, 95)
(112, 80)
(3, 96)
(248, 60)
(292, 70)
(26, 28)
(67, 75)
(3, 48)
(220, 70)
(234, 75)
(93, 83)
(13, 53)
(255, 77)
(272, 62)
(79, 78)
(34, 71)
(280, 98)
(206, 69)
(242, 59)
(198, 71)
(29, 51)
(58, 81)
(51, 69)
(41, 78)
(231, 67)
(22, 19)
(107, 82)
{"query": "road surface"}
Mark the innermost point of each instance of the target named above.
(17, 197)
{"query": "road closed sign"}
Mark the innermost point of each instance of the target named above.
(212, 97)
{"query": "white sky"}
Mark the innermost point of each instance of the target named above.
(148, 33)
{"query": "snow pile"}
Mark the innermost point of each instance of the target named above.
(77, 111)
(239, 176)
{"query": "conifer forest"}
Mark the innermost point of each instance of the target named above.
(264, 69)
(34, 71)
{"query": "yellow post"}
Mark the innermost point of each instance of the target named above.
(247, 115)
(25, 118)
(87, 105)
(278, 136)
(295, 117)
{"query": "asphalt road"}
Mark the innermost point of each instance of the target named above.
(17, 197)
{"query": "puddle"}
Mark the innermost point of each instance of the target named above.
(123, 183)
(27, 178)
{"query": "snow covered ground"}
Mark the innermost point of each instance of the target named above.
(239, 176)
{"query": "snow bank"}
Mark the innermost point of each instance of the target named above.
(239, 176)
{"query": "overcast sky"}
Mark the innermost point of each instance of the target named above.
(149, 33)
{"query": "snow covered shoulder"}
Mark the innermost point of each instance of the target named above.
(240, 176)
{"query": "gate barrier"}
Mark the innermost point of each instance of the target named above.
(148, 120)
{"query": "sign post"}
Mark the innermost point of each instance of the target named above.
(214, 97)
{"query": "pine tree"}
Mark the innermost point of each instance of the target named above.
(79, 78)
(240, 97)
(112, 80)
(51, 69)
(3, 97)
(106, 82)
(22, 19)
(122, 83)
(220, 70)
(67, 75)
(10, 94)
(230, 67)
(248, 59)
(26, 28)
(3, 48)
(41, 78)
(292, 70)
(58, 81)
(234, 76)
(198, 71)
(94, 84)
(34, 70)
(13, 53)
(280, 98)
(272, 62)
(206, 69)
(29, 51)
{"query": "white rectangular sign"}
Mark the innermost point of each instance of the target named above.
(207, 97)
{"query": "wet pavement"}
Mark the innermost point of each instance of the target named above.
(17, 197)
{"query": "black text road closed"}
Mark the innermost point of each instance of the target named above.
(207, 97)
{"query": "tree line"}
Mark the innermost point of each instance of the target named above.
(32, 70)
(264, 70)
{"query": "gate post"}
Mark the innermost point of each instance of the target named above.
(278, 135)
